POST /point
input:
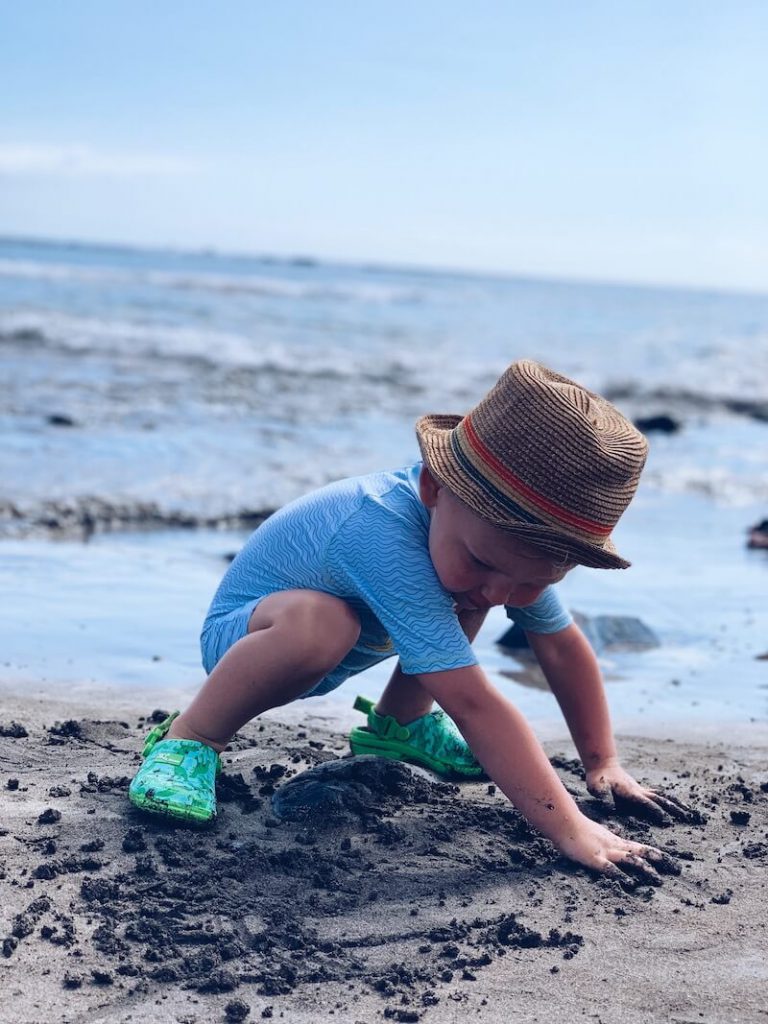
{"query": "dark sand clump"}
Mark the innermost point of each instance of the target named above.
(357, 886)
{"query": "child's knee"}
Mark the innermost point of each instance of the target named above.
(327, 620)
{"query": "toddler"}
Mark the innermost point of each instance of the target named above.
(505, 501)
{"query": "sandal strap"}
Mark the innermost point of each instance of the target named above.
(388, 727)
(385, 726)
(157, 733)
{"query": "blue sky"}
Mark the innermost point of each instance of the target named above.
(622, 141)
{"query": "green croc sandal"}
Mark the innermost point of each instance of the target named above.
(177, 778)
(432, 741)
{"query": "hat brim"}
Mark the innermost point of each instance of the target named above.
(434, 436)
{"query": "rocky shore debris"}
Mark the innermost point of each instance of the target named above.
(757, 535)
(60, 419)
(83, 516)
(13, 730)
(661, 424)
(606, 633)
(683, 400)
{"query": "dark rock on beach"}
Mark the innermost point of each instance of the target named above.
(13, 730)
(661, 424)
(685, 401)
(757, 535)
(49, 817)
(740, 817)
(514, 639)
(616, 632)
(604, 632)
(69, 729)
(237, 1010)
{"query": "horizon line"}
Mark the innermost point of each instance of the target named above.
(308, 260)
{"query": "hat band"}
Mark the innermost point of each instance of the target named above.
(479, 463)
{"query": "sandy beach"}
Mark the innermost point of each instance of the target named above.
(398, 897)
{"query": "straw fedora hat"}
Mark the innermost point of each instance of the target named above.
(541, 457)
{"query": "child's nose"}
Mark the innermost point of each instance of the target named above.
(497, 591)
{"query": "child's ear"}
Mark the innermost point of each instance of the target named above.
(428, 488)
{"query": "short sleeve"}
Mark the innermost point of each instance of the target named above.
(382, 558)
(547, 614)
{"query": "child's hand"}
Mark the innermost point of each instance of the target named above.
(611, 782)
(631, 863)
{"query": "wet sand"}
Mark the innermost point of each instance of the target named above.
(406, 900)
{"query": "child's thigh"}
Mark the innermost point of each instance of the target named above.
(309, 622)
(313, 619)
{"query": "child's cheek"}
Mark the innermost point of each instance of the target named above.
(451, 575)
(462, 576)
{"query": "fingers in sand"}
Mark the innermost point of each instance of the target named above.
(673, 807)
(640, 865)
(635, 864)
(662, 861)
(645, 805)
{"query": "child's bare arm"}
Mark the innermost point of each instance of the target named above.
(404, 697)
(574, 676)
(505, 745)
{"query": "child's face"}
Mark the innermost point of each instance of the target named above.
(479, 564)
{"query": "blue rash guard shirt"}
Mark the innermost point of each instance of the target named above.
(364, 540)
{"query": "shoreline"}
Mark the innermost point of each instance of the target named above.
(411, 900)
(36, 701)
(706, 668)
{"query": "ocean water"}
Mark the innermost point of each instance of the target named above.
(152, 403)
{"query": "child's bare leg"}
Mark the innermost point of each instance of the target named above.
(431, 741)
(294, 639)
(404, 698)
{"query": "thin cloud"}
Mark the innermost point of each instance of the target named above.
(84, 161)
